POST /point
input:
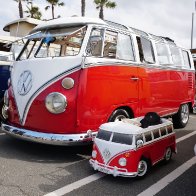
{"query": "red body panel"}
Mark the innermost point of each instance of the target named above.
(99, 90)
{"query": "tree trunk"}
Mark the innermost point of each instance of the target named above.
(101, 13)
(52, 11)
(83, 5)
(20, 9)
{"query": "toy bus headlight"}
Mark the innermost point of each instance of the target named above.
(56, 103)
(122, 162)
(6, 98)
(94, 154)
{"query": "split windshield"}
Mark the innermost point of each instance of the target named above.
(53, 43)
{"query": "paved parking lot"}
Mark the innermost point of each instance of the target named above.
(33, 169)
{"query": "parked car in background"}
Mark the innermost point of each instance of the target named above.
(125, 149)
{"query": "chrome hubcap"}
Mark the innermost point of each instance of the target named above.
(185, 113)
(119, 118)
(142, 168)
(168, 154)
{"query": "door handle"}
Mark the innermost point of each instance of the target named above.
(134, 78)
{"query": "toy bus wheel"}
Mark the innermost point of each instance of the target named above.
(168, 154)
(118, 115)
(181, 118)
(142, 168)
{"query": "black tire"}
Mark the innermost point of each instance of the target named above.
(181, 118)
(143, 168)
(168, 154)
(118, 114)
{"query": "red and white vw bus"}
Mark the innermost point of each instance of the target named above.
(75, 74)
(125, 149)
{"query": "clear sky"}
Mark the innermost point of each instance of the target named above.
(170, 18)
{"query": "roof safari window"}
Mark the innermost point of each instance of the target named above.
(53, 43)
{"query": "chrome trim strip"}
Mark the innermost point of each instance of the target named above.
(139, 65)
(48, 138)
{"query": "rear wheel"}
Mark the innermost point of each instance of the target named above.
(142, 168)
(181, 118)
(118, 115)
(168, 154)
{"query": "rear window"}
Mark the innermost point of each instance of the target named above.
(122, 138)
(104, 135)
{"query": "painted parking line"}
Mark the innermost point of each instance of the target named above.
(76, 185)
(157, 187)
(70, 187)
(185, 137)
(2, 134)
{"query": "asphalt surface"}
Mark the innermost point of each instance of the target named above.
(28, 169)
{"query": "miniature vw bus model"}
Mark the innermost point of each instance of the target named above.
(126, 149)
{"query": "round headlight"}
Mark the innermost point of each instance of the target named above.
(6, 98)
(68, 83)
(122, 162)
(56, 103)
(94, 154)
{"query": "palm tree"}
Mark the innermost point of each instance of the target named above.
(33, 11)
(20, 9)
(104, 3)
(53, 4)
(83, 5)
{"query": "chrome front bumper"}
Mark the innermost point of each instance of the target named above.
(49, 138)
(115, 171)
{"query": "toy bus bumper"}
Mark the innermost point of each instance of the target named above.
(111, 170)
(48, 138)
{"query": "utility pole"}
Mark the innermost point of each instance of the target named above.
(192, 28)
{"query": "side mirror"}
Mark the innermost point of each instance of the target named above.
(139, 143)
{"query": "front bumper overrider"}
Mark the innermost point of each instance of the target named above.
(115, 171)
(48, 138)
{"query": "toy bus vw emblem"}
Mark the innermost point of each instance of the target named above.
(24, 83)
(106, 154)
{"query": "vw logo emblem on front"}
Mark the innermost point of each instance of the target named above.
(24, 83)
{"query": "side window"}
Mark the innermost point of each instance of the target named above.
(186, 59)
(176, 57)
(110, 44)
(163, 54)
(125, 48)
(145, 50)
(148, 136)
(163, 131)
(94, 47)
(138, 137)
(156, 133)
(169, 129)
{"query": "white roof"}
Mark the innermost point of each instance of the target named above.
(129, 128)
(61, 22)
